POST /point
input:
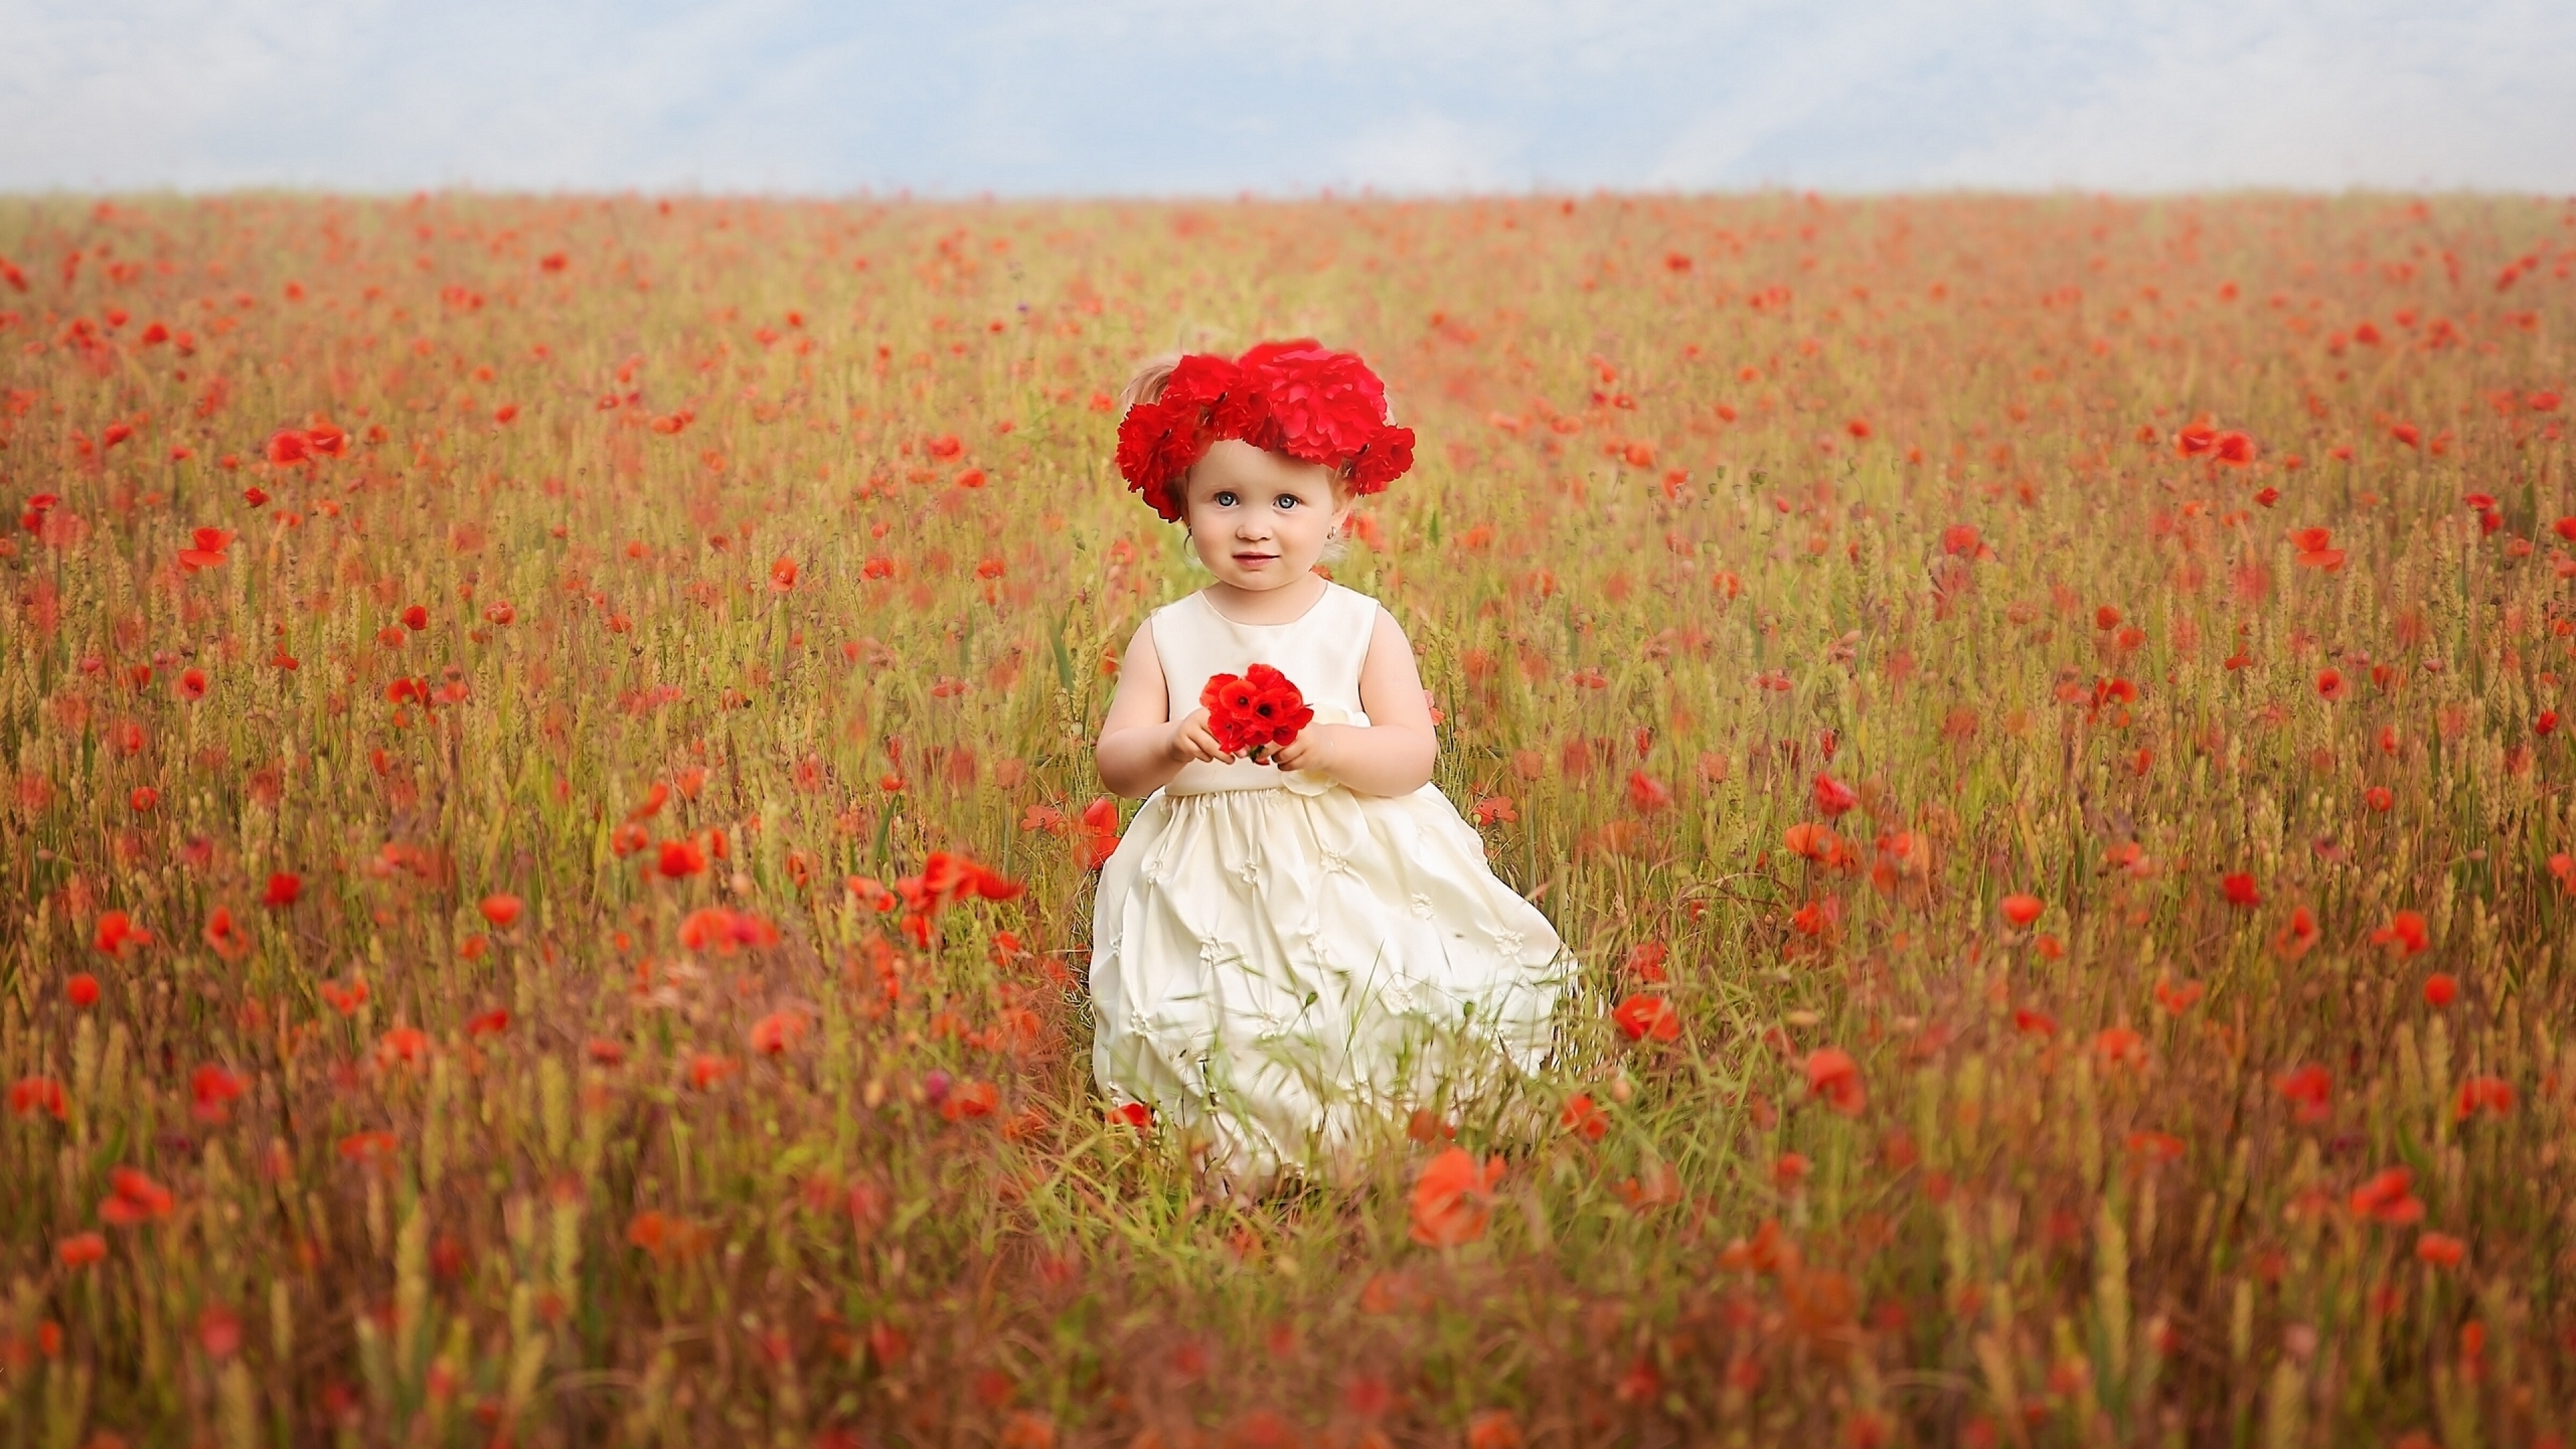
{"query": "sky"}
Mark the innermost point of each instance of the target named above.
(1200, 97)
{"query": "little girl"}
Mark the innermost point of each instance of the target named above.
(1284, 949)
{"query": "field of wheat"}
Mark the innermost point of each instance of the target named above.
(550, 823)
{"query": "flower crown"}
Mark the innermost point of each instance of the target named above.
(1299, 398)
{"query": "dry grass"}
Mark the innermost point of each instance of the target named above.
(787, 534)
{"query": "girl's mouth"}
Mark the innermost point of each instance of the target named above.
(1255, 560)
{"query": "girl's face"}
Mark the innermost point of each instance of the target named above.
(1258, 520)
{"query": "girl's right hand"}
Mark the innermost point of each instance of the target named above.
(1192, 741)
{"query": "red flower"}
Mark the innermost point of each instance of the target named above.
(1453, 1198)
(207, 549)
(2406, 931)
(1258, 711)
(116, 931)
(2309, 1086)
(2441, 989)
(502, 911)
(224, 936)
(2386, 1197)
(2240, 890)
(283, 888)
(1298, 398)
(1643, 1015)
(1582, 1118)
(31, 1095)
(1834, 1076)
(1833, 797)
(679, 858)
(134, 1198)
(2491, 1095)
(2441, 1250)
(774, 1034)
(1646, 794)
(82, 988)
(2021, 910)
(1099, 832)
(945, 875)
(80, 1250)
(211, 1089)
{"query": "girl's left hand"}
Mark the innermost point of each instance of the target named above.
(1313, 749)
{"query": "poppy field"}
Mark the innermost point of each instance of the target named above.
(549, 823)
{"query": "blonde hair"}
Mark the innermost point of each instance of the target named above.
(1150, 378)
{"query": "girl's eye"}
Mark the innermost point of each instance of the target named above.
(1287, 501)
(1224, 499)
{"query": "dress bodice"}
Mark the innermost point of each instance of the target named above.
(1320, 651)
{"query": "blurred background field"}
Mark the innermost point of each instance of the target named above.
(2040, 716)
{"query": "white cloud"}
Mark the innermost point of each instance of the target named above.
(1177, 95)
(1431, 153)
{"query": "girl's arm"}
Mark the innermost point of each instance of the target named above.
(1392, 753)
(1140, 750)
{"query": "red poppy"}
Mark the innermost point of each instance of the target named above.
(2296, 934)
(2020, 910)
(1833, 797)
(283, 888)
(224, 936)
(1453, 1199)
(2406, 931)
(402, 1046)
(2441, 989)
(2387, 1197)
(1834, 1076)
(211, 1091)
(206, 550)
(1646, 795)
(116, 931)
(2441, 1250)
(31, 1095)
(681, 858)
(134, 1198)
(778, 1032)
(1582, 1118)
(2490, 1095)
(2309, 1086)
(80, 1250)
(1643, 1015)
(2240, 890)
(1256, 712)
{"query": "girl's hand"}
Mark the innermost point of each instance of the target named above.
(1313, 749)
(1192, 741)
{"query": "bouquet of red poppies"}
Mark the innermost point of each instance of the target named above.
(1255, 712)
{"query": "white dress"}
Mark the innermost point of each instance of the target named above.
(1275, 959)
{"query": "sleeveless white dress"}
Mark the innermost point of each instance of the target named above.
(1275, 959)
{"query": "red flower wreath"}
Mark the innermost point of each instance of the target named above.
(1299, 398)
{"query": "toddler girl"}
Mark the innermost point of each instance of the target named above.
(1287, 948)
